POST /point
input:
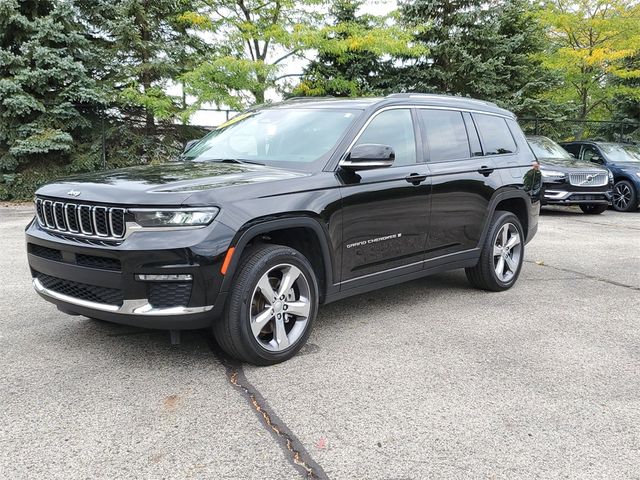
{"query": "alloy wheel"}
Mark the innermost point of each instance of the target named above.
(280, 307)
(622, 196)
(507, 249)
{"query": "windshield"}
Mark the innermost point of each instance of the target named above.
(544, 147)
(293, 137)
(621, 153)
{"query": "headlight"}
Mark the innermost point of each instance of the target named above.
(196, 217)
(552, 174)
(610, 175)
(637, 173)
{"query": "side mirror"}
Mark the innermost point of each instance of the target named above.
(189, 144)
(368, 156)
(596, 159)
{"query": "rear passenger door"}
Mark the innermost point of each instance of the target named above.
(463, 177)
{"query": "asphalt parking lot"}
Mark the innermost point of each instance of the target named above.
(430, 379)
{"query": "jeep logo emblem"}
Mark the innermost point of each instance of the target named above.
(73, 193)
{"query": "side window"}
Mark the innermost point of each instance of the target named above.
(573, 149)
(495, 135)
(446, 134)
(393, 128)
(588, 152)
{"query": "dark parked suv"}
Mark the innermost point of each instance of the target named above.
(569, 181)
(288, 207)
(622, 159)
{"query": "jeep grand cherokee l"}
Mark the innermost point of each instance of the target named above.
(288, 207)
(569, 181)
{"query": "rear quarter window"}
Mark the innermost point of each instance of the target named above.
(495, 135)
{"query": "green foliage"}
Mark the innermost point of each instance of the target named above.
(589, 43)
(354, 53)
(45, 81)
(486, 50)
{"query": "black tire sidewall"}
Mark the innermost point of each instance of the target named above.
(240, 302)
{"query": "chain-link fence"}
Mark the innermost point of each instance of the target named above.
(572, 129)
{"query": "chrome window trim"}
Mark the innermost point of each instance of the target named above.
(425, 107)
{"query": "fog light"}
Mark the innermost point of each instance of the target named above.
(165, 278)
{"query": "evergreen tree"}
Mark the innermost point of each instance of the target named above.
(350, 71)
(486, 50)
(45, 84)
(146, 45)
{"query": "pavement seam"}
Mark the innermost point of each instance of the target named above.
(291, 446)
(586, 275)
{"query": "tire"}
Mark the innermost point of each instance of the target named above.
(484, 275)
(625, 196)
(280, 333)
(593, 209)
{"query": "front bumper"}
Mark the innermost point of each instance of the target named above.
(558, 196)
(101, 281)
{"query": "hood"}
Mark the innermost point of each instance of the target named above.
(165, 184)
(631, 167)
(569, 165)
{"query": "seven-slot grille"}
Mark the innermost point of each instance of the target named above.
(587, 179)
(87, 220)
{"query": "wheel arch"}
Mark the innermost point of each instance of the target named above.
(514, 201)
(310, 239)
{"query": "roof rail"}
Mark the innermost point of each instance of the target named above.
(292, 99)
(439, 95)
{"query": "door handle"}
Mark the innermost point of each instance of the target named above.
(486, 171)
(416, 178)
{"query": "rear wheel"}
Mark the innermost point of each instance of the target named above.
(625, 197)
(269, 312)
(502, 254)
(593, 209)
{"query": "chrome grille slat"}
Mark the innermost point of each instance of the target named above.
(589, 179)
(58, 216)
(48, 213)
(71, 214)
(87, 221)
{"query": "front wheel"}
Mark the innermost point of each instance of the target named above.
(591, 209)
(271, 308)
(502, 255)
(625, 197)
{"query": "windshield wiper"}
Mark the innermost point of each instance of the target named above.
(231, 160)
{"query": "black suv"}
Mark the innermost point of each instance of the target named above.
(287, 207)
(570, 181)
(622, 159)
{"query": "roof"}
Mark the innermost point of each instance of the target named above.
(394, 99)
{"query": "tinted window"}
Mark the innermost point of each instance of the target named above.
(393, 128)
(496, 137)
(588, 152)
(574, 149)
(446, 134)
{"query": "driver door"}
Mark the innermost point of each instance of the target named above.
(385, 213)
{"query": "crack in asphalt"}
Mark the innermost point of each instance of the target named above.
(287, 441)
(587, 275)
